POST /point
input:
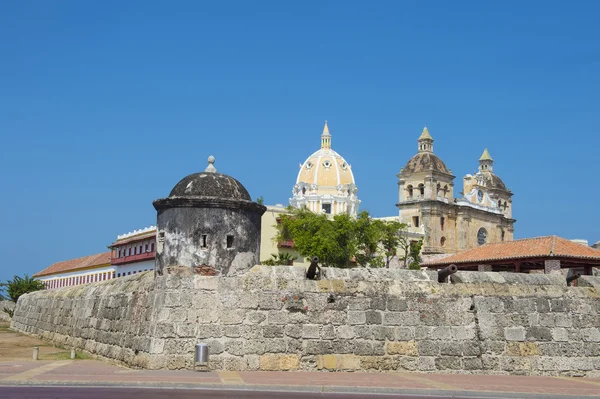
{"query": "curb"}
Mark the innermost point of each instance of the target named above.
(383, 391)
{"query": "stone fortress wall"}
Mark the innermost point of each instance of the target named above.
(272, 318)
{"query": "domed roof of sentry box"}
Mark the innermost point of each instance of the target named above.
(210, 184)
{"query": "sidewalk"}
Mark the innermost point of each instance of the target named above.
(99, 374)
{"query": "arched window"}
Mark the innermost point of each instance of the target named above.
(422, 189)
(443, 241)
(410, 191)
(481, 236)
(446, 190)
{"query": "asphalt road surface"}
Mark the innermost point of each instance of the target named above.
(141, 393)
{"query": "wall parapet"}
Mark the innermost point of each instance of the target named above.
(272, 318)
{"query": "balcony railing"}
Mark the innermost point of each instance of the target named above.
(132, 258)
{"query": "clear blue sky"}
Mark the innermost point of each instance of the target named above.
(104, 106)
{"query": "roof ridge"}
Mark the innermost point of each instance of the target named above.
(81, 257)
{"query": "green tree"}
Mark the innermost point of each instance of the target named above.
(19, 286)
(391, 239)
(415, 254)
(339, 240)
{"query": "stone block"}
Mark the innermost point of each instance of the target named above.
(270, 301)
(539, 334)
(590, 334)
(514, 333)
(378, 303)
(277, 317)
(328, 331)
(254, 346)
(185, 330)
(345, 332)
(452, 363)
(472, 363)
(428, 348)
(450, 348)
(360, 303)
(395, 304)
(165, 330)
(560, 334)
(232, 331)
(314, 347)
(311, 331)
(293, 330)
(404, 333)
(410, 318)
(209, 331)
(279, 362)
(273, 331)
(373, 317)
(382, 333)
(405, 348)
(255, 317)
(383, 363)
(348, 362)
(522, 349)
(363, 348)
(357, 317)
(275, 345)
(234, 347)
(488, 304)
(252, 362)
(343, 346)
(328, 362)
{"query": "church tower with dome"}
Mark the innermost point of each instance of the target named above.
(325, 182)
(426, 203)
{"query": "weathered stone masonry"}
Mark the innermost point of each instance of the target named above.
(271, 318)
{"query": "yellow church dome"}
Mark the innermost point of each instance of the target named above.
(325, 181)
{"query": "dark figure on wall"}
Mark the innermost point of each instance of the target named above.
(314, 271)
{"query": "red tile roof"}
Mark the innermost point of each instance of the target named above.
(537, 247)
(102, 259)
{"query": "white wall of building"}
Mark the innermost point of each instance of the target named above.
(133, 268)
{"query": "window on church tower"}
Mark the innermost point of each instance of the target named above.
(442, 221)
(410, 191)
(421, 189)
(415, 221)
(204, 245)
(443, 241)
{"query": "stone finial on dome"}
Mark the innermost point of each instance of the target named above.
(325, 137)
(211, 167)
(486, 156)
(425, 134)
(485, 161)
(425, 141)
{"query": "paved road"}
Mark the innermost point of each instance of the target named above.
(129, 393)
